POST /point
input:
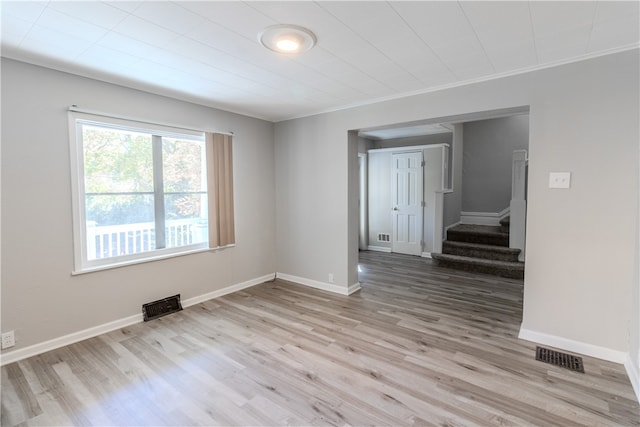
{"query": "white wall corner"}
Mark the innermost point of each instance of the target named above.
(354, 288)
(33, 350)
(329, 287)
(426, 255)
(377, 249)
(633, 374)
(573, 346)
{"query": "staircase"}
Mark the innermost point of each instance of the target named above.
(481, 249)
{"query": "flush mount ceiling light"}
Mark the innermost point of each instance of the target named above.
(288, 39)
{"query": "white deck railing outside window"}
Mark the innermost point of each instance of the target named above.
(124, 239)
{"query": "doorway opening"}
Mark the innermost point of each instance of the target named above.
(424, 178)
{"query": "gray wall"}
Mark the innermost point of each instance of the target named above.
(40, 298)
(453, 198)
(364, 144)
(487, 161)
(583, 119)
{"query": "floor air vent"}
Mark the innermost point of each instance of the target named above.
(153, 310)
(557, 358)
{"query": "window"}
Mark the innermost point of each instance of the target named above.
(139, 191)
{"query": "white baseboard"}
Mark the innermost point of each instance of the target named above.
(228, 290)
(574, 346)
(483, 218)
(634, 377)
(354, 288)
(426, 255)
(379, 249)
(330, 287)
(33, 350)
(448, 227)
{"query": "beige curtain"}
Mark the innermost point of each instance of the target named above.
(220, 189)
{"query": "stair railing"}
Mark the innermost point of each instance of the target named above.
(518, 205)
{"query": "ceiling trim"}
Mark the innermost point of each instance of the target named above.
(101, 76)
(145, 87)
(575, 59)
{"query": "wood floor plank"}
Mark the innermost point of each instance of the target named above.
(419, 345)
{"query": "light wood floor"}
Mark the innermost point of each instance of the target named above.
(418, 345)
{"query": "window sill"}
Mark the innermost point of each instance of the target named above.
(95, 269)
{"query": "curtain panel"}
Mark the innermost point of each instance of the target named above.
(220, 189)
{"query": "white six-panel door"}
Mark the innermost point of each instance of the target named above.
(406, 197)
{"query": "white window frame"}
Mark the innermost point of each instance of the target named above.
(80, 245)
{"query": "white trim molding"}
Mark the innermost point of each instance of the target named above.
(354, 288)
(407, 148)
(33, 350)
(426, 255)
(74, 337)
(579, 347)
(483, 218)
(329, 287)
(448, 227)
(228, 290)
(445, 86)
(633, 374)
(378, 249)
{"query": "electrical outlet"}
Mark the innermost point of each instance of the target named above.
(8, 339)
(559, 179)
(330, 278)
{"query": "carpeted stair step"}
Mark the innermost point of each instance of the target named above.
(505, 223)
(477, 250)
(482, 234)
(513, 270)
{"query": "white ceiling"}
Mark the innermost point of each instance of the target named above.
(208, 52)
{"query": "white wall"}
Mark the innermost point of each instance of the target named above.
(488, 159)
(434, 168)
(583, 119)
(379, 197)
(40, 298)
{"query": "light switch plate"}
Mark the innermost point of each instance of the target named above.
(559, 179)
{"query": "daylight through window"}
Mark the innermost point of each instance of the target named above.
(141, 191)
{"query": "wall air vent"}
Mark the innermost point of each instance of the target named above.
(155, 309)
(564, 360)
(384, 237)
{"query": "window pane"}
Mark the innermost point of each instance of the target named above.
(142, 191)
(119, 225)
(186, 219)
(116, 161)
(109, 209)
(184, 165)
